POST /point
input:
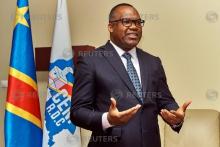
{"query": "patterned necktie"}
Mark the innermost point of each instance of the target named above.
(133, 75)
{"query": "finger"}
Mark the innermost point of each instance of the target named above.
(130, 111)
(170, 120)
(164, 115)
(186, 104)
(113, 103)
(178, 115)
(167, 115)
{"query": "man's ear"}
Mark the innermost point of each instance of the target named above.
(110, 27)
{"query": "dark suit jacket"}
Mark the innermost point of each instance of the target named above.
(100, 75)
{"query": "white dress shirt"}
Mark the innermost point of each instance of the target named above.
(134, 60)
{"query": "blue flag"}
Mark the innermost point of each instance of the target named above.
(22, 115)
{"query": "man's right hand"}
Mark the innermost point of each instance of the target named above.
(118, 118)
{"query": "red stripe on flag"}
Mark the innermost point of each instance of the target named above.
(24, 96)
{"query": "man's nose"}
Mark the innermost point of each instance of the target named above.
(133, 26)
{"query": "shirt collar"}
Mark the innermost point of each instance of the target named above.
(121, 51)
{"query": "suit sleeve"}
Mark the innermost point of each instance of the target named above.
(83, 112)
(165, 99)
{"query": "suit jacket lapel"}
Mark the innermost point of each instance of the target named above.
(143, 71)
(116, 63)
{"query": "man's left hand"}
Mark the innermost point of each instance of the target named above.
(175, 117)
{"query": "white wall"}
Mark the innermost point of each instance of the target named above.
(185, 34)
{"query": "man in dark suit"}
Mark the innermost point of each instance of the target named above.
(120, 89)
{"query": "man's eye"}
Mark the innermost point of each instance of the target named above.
(138, 22)
(126, 21)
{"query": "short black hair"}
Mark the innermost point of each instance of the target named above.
(112, 12)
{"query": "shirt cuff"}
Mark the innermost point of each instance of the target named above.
(177, 125)
(105, 122)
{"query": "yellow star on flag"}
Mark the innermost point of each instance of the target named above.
(20, 12)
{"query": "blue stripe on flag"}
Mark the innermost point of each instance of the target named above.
(22, 3)
(22, 132)
(22, 45)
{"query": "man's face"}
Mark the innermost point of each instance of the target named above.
(125, 37)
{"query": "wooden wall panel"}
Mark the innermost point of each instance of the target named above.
(42, 55)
